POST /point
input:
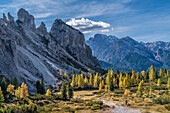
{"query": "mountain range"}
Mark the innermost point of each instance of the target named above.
(31, 53)
(126, 53)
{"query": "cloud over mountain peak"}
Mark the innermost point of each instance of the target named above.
(87, 26)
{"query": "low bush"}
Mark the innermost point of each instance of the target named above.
(119, 91)
(134, 90)
(117, 95)
(77, 100)
(79, 108)
(167, 107)
(98, 92)
(159, 88)
(96, 107)
(10, 109)
(164, 99)
(92, 103)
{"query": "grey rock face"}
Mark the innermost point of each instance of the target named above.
(100, 42)
(31, 54)
(154, 46)
(42, 30)
(73, 41)
(161, 51)
(26, 18)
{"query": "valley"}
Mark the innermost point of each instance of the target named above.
(58, 71)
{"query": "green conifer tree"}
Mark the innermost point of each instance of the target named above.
(137, 78)
(70, 91)
(168, 83)
(64, 91)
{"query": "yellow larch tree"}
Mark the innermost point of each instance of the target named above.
(143, 75)
(100, 86)
(11, 89)
(61, 73)
(86, 80)
(73, 81)
(126, 92)
(48, 93)
(114, 82)
(24, 91)
(17, 92)
(151, 74)
(120, 81)
(91, 80)
(105, 88)
(159, 82)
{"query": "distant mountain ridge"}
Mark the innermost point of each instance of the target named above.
(128, 53)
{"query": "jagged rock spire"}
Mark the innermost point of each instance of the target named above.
(26, 18)
(4, 17)
(10, 18)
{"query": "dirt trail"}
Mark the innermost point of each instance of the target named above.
(119, 109)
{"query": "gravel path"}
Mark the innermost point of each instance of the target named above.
(119, 109)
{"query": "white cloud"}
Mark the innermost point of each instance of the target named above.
(87, 26)
(65, 8)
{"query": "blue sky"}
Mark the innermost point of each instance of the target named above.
(143, 20)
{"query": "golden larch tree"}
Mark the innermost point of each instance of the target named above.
(24, 91)
(126, 92)
(11, 89)
(159, 82)
(48, 93)
(73, 81)
(61, 73)
(100, 86)
(17, 92)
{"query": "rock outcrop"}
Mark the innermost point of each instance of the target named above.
(26, 18)
(73, 42)
(31, 53)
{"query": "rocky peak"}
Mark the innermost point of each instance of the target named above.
(59, 21)
(4, 17)
(154, 46)
(66, 35)
(42, 30)
(128, 40)
(10, 18)
(26, 18)
(74, 42)
(103, 37)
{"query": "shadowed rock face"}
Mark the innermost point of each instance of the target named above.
(31, 54)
